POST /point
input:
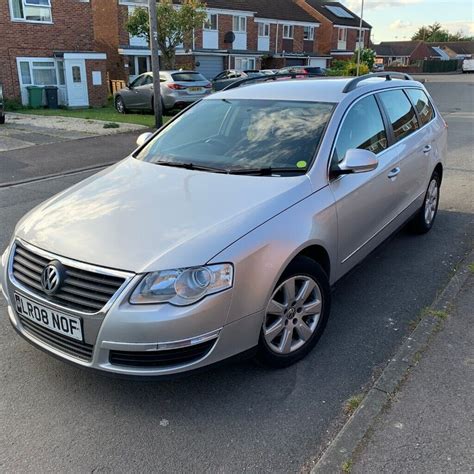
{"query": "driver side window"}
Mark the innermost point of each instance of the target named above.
(137, 82)
(363, 128)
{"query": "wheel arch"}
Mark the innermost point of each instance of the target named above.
(439, 170)
(318, 254)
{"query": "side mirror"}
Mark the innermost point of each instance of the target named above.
(358, 161)
(143, 138)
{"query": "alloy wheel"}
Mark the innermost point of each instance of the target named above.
(292, 314)
(119, 105)
(431, 201)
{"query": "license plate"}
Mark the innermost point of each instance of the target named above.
(194, 90)
(66, 325)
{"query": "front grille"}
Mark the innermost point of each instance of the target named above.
(65, 344)
(164, 358)
(82, 290)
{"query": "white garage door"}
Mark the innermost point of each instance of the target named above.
(318, 62)
(210, 66)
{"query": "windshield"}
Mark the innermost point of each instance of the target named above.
(188, 77)
(243, 134)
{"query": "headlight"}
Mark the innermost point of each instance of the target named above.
(183, 286)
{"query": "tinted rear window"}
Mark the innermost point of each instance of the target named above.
(400, 112)
(188, 77)
(422, 104)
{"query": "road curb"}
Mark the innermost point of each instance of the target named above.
(341, 450)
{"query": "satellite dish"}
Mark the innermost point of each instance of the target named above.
(229, 37)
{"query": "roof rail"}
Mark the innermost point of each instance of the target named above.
(351, 85)
(270, 77)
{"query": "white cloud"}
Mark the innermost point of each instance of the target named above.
(467, 27)
(355, 5)
(400, 25)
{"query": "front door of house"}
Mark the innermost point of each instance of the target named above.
(76, 83)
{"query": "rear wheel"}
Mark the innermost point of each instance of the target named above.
(120, 105)
(424, 220)
(2, 119)
(296, 314)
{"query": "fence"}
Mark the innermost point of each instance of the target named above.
(441, 66)
(115, 85)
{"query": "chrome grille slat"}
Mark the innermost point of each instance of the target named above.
(83, 290)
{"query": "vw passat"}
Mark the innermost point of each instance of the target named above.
(224, 231)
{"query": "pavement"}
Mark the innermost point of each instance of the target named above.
(240, 417)
(429, 425)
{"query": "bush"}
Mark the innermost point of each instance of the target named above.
(13, 104)
(347, 68)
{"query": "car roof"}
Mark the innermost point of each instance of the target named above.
(312, 89)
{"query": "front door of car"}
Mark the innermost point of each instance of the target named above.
(132, 94)
(366, 202)
(144, 92)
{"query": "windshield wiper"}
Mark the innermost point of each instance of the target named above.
(267, 171)
(190, 166)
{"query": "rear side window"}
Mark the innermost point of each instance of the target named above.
(400, 113)
(362, 128)
(188, 77)
(422, 104)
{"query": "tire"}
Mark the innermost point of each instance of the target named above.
(2, 119)
(120, 105)
(292, 326)
(425, 217)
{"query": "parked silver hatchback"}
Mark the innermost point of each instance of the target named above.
(178, 89)
(224, 231)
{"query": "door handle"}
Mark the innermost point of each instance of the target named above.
(427, 149)
(394, 173)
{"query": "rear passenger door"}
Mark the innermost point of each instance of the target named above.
(409, 143)
(366, 202)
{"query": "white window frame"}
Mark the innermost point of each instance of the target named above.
(241, 22)
(288, 31)
(30, 62)
(251, 63)
(134, 3)
(208, 24)
(310, 30)
(266, 30)
(344, 34)
(26, 3)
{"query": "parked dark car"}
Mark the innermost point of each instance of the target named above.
(229, 76)
(304, 70)
(2, 106)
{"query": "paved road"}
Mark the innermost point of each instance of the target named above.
(63, 155)
(241, 417)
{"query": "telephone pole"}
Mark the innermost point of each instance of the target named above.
(155, 63)
(360, 36)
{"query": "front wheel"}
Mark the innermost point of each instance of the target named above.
(424, 220)
(296, 314)
(120, 105)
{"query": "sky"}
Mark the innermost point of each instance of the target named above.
(399, 19)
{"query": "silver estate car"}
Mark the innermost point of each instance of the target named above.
(178, 89)
(222, 233)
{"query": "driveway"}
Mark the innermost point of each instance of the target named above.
(54, 417)
(24, 131)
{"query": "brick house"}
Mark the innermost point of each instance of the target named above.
(404, 53)
(265, 33)
(51, 44)
(338, 35)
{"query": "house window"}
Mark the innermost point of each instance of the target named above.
(31, 10)
(287, 31)
(264, 29)
(239, 24)
(41, 72)
(360, 37)
(138, 65)
(244, 64)
(308, 33)
(342, 34)
(211, 23)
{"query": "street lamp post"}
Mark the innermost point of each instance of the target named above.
(360, 36)
(155, 64)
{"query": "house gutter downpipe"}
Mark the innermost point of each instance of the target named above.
(360, 36)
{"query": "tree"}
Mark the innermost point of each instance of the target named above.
(435, 33)
(367, 56)
(175, 25)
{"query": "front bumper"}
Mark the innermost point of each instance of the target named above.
(134, 340)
